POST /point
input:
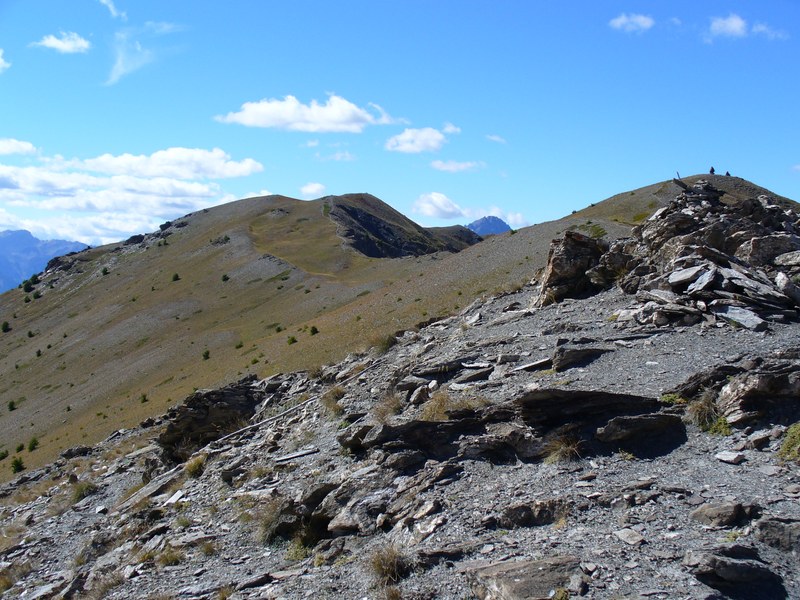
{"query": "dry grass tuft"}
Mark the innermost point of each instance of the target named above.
(330, 400)
(389, 565)
(170, 557)
(388, 406)
(195, 467)
(82, 489)
(790, 448)
(441, 403)
(563, 448)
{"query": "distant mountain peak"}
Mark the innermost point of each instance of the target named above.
(489, 226)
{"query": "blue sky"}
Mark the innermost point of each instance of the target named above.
(117, 115)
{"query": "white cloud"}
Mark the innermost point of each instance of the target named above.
(69, 43)
(335, 115)
(311, 144)
(731, 26)
(180, 163)
(413, 141)
(735, 27)
(312, 189)
(769, 33)
(449, 129)
(111, 197)
(109, 4)
(12, 146)
(4, 64)
(632, 23)
(495, 138)
(438, 206)
(258, 194)
(452, 166)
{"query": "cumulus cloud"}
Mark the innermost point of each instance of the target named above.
(735, 27)
(414, 141)
(495, 138)
(69, 42)
(336, 115)
(103, 199)
(312, 189)
(632, 23)
(731, 26)
(109, 4)
(4, 64)
(179, 163)
(452, 166)
(437, 205)
(12, 146)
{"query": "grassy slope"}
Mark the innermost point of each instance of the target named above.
(136, 331)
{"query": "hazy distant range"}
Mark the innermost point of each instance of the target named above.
(22, 255)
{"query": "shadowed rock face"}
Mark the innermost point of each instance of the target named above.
(378, 231)
(206, 416)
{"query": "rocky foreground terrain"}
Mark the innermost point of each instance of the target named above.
(638, 441)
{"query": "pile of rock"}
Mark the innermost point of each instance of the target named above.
(697, 259)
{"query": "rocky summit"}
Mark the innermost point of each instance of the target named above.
(626, 426)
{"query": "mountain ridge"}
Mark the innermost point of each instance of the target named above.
(120, 339)
(635, 439)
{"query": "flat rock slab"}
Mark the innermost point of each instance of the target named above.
(732, 458)
(629, 536)
(526, 579)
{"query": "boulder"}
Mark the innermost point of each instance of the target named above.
(568, 261)
(626, 428)
(771, 391)
(727, 514)
(779, 532)
(735, 569)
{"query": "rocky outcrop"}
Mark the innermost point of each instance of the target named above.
(206, 416)
(696, 260)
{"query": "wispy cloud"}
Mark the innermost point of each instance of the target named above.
(735, 27)
(450, 129)
(129, 53)
(768, 32)
(312, 190)
(632, 23)
(495, 138)
(336, 114)
(109, 4)
(68, 42)
(414, 141)
(452, 166)
(12, 146)
(4, 64)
